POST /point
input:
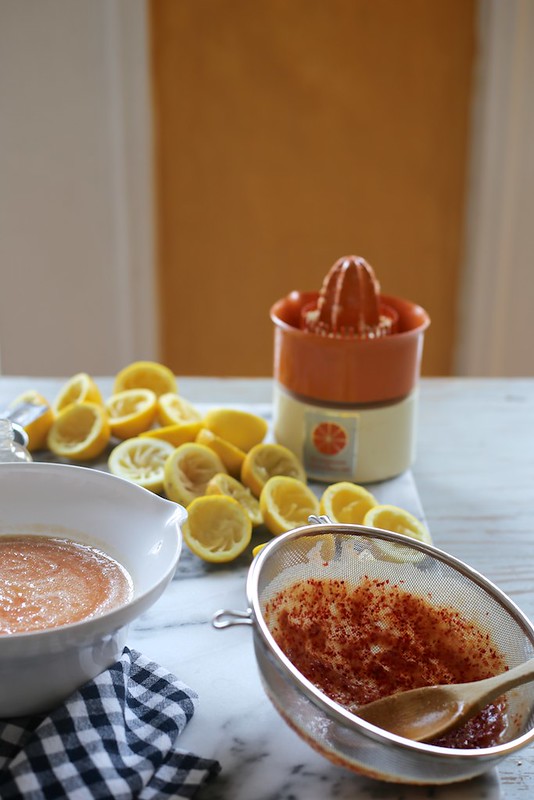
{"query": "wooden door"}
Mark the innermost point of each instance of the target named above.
(289, 133)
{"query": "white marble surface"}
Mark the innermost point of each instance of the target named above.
(474, 482)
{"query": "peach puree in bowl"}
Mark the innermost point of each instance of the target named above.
(128, 530)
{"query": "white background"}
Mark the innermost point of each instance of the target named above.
(76, 203)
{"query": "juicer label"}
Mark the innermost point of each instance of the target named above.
(330, 448)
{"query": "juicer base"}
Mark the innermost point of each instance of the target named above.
(365, 443)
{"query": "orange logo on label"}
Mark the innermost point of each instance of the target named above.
(329, 438)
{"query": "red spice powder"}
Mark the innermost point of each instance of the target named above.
(360, 643)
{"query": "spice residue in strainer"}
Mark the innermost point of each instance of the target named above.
(359, 642)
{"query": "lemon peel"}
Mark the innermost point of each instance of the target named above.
(227, 485)
(131, 412)
(231, 456)
(346, 503)
(264, 461)
(177, 434)
(188, 471)
(217, 528)
(397, 520)
(286, 503)
(145, 375)
(141, 461)
(174, 409)
(80, 432)
(242, 428)
(38, 429)
(80, 388)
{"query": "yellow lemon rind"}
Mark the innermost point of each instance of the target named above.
(241, 428)
(174, 409)
(61, 438)
(221, 483)
(188, 471)
(264, 461)
(146, 375)
(37, 430)
(80, 388)
(383, 517)
(207, 528)
(141, 461)
(283, 490)
(346, 503)
(176, 434)
(231, 456)
(126, 423)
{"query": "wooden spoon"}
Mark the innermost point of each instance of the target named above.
(431, 711)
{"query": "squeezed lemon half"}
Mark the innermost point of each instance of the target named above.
(145, 375)
(80, 432)
(81, 388)
(177, 434)
(189, 470)
(174, 409)
(397, 520)
(131, 412)
(142, 461)
(241, 428)
(217, 528)
(346, 503)
(38, 429)
(266, 460)
(227, 485)
(286, 503)
(231, 456)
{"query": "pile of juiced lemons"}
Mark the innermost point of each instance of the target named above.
(217, 465)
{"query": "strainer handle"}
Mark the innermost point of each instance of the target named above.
(313, 519)
(227, 618)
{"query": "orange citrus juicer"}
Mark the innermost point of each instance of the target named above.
(346, 366)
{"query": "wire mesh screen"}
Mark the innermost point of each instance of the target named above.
(308, 584)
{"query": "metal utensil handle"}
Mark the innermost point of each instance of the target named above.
(313, 519)
(24, 413)
(227, 618)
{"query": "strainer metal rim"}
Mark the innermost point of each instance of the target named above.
(334, 709)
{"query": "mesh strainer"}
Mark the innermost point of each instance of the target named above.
(354, 553)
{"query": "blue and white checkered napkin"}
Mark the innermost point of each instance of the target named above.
(113, 738)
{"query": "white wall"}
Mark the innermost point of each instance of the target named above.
(76, 233)
(496, 337)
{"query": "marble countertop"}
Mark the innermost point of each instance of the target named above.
(472, 481)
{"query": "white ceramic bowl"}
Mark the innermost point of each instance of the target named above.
(136, 527)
